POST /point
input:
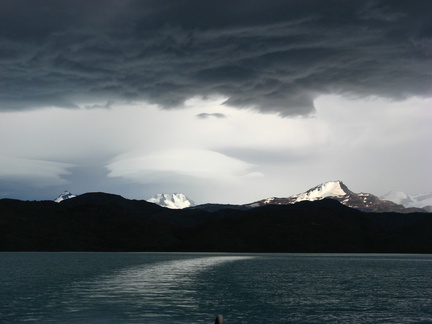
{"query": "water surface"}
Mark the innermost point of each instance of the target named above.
(195, 287)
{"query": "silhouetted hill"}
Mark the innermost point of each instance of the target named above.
(106, 222)
(216, 207)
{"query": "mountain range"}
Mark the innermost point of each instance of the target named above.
(107, 222)
(398, 202)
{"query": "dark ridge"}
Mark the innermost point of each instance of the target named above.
(101, 198)
(216, 207)
(106, 222)
(325, 203)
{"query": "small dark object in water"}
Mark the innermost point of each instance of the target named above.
(219, 319)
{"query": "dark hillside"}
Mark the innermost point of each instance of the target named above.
(105, 222)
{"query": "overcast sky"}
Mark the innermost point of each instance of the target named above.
(224, 101)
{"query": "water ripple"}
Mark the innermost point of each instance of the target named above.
(160, 289)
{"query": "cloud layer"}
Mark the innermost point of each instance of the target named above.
(372, 145)
(275, 56)
(82, 84)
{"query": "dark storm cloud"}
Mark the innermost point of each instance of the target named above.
(108, 104)
(276, 56)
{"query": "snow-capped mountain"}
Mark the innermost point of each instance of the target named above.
(419, 201)
(173, 201)
(64, 195)
(327, 189)
(339, 191)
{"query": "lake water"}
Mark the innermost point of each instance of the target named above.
(195, 287)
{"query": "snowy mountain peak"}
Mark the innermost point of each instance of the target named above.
(63, 196)
(173, 201)
(338, 191)
(326, 189)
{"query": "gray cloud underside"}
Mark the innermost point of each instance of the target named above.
(275, 56)
(208, 115)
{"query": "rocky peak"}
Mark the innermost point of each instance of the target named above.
(173, 201)
(63, 196)
(339, 191)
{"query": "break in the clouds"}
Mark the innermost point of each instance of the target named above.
(274, 56)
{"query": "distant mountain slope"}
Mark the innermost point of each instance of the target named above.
(419, 201)
(339, 191)
(173, 201)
